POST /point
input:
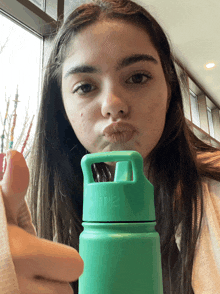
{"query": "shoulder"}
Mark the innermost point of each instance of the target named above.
(209, 157)
(208, 164)
(212, 186)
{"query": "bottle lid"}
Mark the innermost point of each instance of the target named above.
(129, 198)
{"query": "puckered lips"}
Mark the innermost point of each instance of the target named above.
(119, 132)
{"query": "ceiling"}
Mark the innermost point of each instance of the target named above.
(193, 27)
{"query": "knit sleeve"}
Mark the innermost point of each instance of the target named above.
(8, 279)
(206, 265)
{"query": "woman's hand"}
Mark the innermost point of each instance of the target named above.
(41, 266)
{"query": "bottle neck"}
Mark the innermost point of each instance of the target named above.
(116, 227)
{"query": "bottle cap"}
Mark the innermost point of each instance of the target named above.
(126, 199)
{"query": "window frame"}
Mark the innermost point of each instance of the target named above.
(194, 96)
(211, 125)
(31, 16)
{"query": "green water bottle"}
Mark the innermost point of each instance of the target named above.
(119, 245)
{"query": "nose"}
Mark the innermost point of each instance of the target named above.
(115, 107)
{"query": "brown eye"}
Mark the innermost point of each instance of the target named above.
(138, 78)
(84, 89)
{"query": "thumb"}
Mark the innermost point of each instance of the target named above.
(14, 184)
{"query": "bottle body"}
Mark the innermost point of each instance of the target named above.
(120, 258)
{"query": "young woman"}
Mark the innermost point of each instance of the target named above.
(110, 84)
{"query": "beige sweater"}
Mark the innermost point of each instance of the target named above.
(8, 279)
(206, 268)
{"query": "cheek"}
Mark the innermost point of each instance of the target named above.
(159, 103)
(75, 119)
(152, 115)
(78, 123)
(153, 109)
(83, 127)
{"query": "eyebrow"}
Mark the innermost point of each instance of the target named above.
(121, 64)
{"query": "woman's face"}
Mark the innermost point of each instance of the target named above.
(114, 89)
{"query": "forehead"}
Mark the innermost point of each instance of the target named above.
(112, 36)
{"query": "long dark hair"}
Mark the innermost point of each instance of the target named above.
(55, 193)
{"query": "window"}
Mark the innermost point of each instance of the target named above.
(195, 109)
(48, 6)
(20, 59)
(39, 3)
(210, 120)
